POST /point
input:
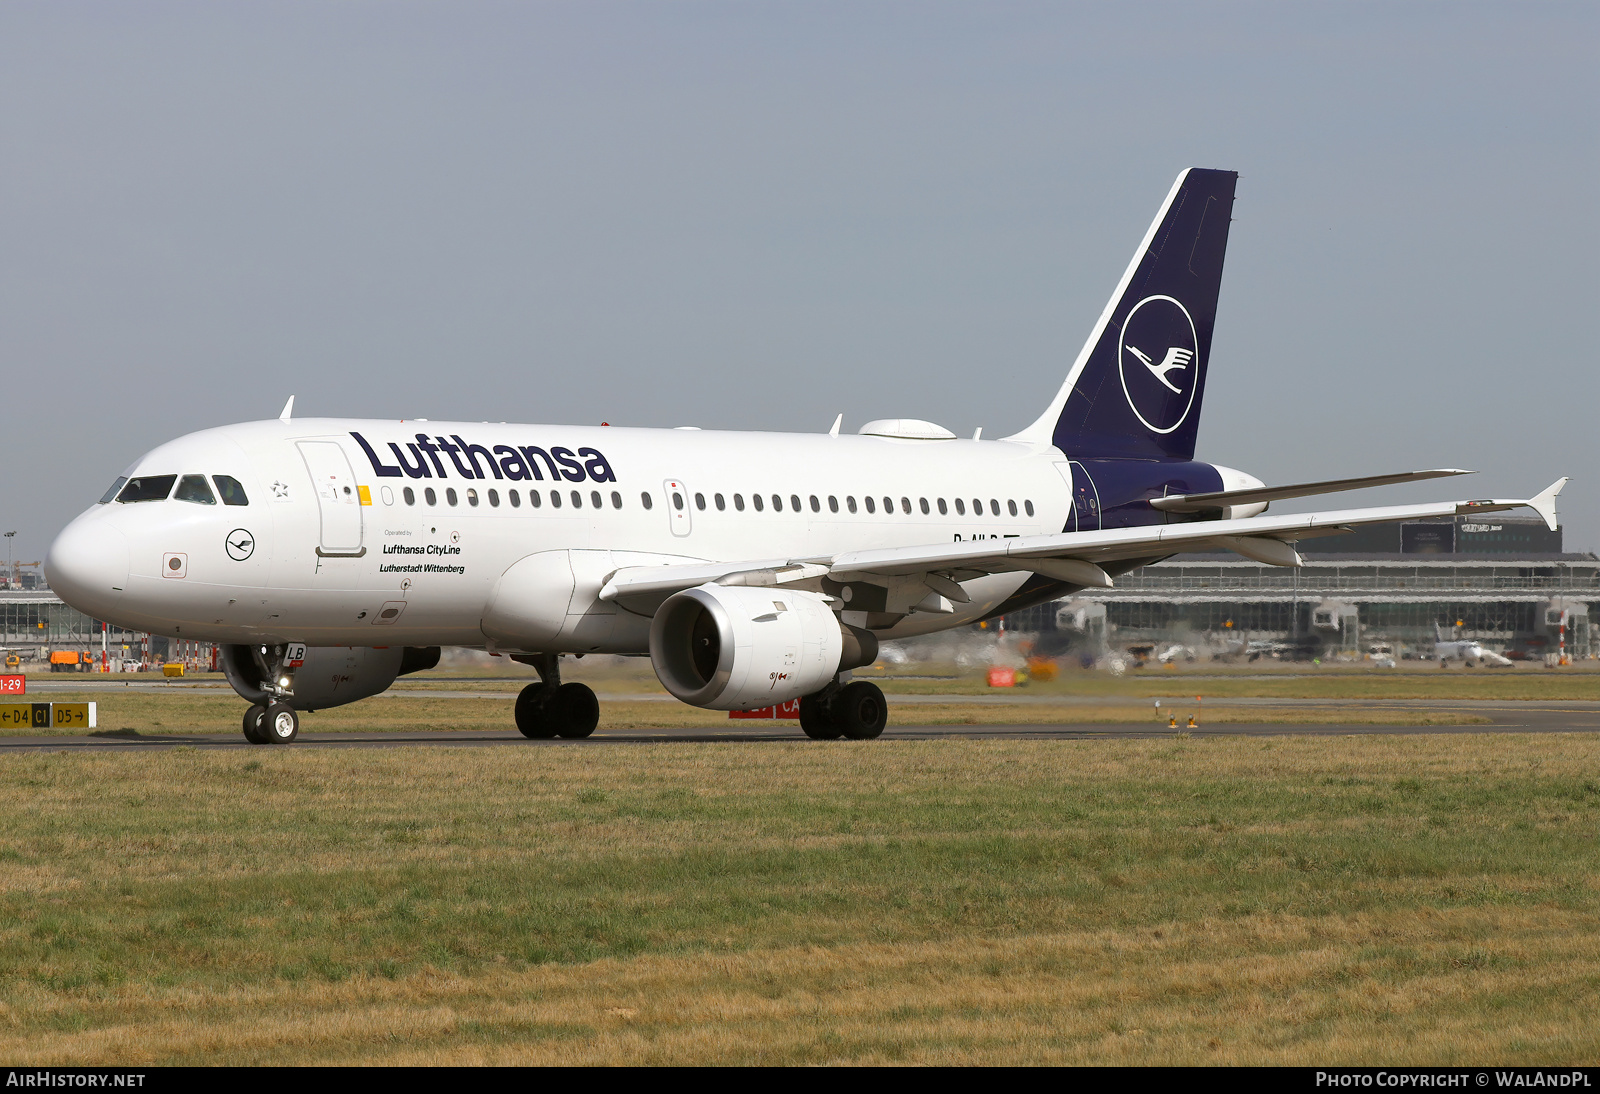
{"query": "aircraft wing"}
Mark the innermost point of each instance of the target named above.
(1075, 557)
(1197, 503)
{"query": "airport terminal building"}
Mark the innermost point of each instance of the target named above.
(1505, 582)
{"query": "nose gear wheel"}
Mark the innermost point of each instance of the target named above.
(281, 724)
(255, 725)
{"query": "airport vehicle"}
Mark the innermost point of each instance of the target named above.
(329, 556)
(70, 661)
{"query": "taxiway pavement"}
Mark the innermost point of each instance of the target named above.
(1502, 717)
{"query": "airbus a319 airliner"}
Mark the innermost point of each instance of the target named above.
(329, 556)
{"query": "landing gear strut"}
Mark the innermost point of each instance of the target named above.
(553, 709)
(857, 711)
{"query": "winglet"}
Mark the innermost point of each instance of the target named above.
(288, 410)
(1545, 503)
(837, 422)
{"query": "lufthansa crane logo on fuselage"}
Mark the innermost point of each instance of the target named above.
(1157, 360)
(240, 544)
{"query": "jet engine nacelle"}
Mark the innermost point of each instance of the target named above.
(330, 676)
(742, 647)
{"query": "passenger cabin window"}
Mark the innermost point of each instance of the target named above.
(450, 495)
(833, 504)
(555, 499)
(777, 503)
(111, 495)
(923, 504)
(721, 503)
(850, 502)
(594, 499)
(961, 508)
(977, 507)
(1027, 507)
(994, 507)
(755, 499)
(872, 506)
(429, 496)
(944, 510)
(1012, 506)
(194, 488)
(700, 502)
(794, 502)
(646, 500)
(535, 499)
(577, 499)
(410, 495)
(147, 488)
(616, 500)
(494, 498)
(738, 502)
(515, 499)
(472, 498)
(888, 506)
(230, 490)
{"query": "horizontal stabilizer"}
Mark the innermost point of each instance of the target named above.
(1198, 503)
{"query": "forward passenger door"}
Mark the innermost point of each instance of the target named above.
(338, 498)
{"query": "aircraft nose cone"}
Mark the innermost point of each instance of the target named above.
(88, 566)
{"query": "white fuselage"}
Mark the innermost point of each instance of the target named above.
(329, 551)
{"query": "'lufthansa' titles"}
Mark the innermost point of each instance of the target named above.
(474, 461)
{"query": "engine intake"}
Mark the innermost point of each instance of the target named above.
(738, 648)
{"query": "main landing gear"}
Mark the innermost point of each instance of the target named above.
(553, 709)
(856, 711)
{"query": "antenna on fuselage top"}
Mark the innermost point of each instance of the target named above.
(837, 422)
(288, 410)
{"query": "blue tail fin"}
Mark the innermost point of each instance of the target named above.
(1136, 387)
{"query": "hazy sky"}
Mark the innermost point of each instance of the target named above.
(757, 215)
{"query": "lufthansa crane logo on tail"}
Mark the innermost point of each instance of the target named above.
(1175, 358)
(1157, 362)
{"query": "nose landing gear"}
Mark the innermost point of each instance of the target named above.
(275, 720)
(274, 724)
(553, 709)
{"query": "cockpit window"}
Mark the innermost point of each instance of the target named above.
(147, 488)
(232, 493)
(193, 488)
(112, 493)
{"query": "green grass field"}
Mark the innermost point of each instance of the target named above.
(1229, 900)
